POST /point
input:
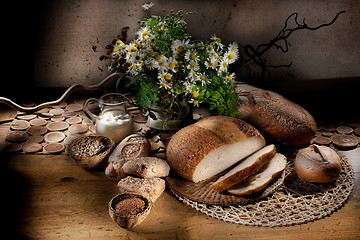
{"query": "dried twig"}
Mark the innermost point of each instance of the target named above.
(280, 42)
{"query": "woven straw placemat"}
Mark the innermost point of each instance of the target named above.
(294, 202)
(201, 192)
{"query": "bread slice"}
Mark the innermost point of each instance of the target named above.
(246, 168)
(213, 144)
(261, 179)
(151, 188)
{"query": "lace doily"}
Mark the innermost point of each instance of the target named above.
(295, 202)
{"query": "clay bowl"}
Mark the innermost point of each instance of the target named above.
(128, 221)
(95, 162)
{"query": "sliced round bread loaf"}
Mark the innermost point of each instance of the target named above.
(211, 145)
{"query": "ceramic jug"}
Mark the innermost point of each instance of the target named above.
(113, 120)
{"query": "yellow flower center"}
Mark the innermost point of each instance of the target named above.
(133, 49)
(195, 94)
(196, 102)
(167, 76)
(180, 49)
(161, 63)
(192, 56)
(144, 33)
(210, 48)
(157, 57)
(115, 50)
(151, 52)
(225, 64)
(231, 56)
(163, 84)
(203, 78)
(218, 40)
(118, 42)
(233, 49)
(172, 65)
(192, 66)
(230, 78)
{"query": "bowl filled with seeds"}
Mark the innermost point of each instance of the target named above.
(91, 152)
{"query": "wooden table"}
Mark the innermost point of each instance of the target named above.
(49, 197)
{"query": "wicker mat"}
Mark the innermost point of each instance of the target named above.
(295, 202)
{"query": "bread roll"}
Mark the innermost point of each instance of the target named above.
(151, 188)
(261, 179)
(246, 168)
(211, 145)
(316, 163)
(132, 146)
(146, 167)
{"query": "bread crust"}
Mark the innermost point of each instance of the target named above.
(190, 145)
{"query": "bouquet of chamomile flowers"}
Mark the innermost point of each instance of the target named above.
(170, 69)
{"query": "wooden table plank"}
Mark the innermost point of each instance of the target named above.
(61, 200)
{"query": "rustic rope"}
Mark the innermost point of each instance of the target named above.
(66, 94)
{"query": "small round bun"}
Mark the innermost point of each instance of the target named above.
(316, 163)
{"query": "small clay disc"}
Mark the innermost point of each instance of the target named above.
(80, 101)
(13, 147)
(56, 111)
(17, 136)
(54, 137)
(69, 139)
(329, 128)
(68, 114)
(87, 121)
(355, 123)
(26, 117)
(36, 130)
(54, 148)
(38, 122)
(20, 125)
(60, 105)
(43, 110)
(78, 128)
(57, 126)
(322, 140)
(344, 141)
(344, 130)
(357, 131)
(35, 139)
(32, 147)
(327, 134)
(58, 119)
(74, 120)
(74, 107)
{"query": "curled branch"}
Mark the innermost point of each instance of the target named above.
(280, 42)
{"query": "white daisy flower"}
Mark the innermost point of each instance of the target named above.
(191, 56)
(179, 46)
(234, 47)
(231, 77)
(162, 81)
(231, 56)
(147, 6)
(216, 40)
